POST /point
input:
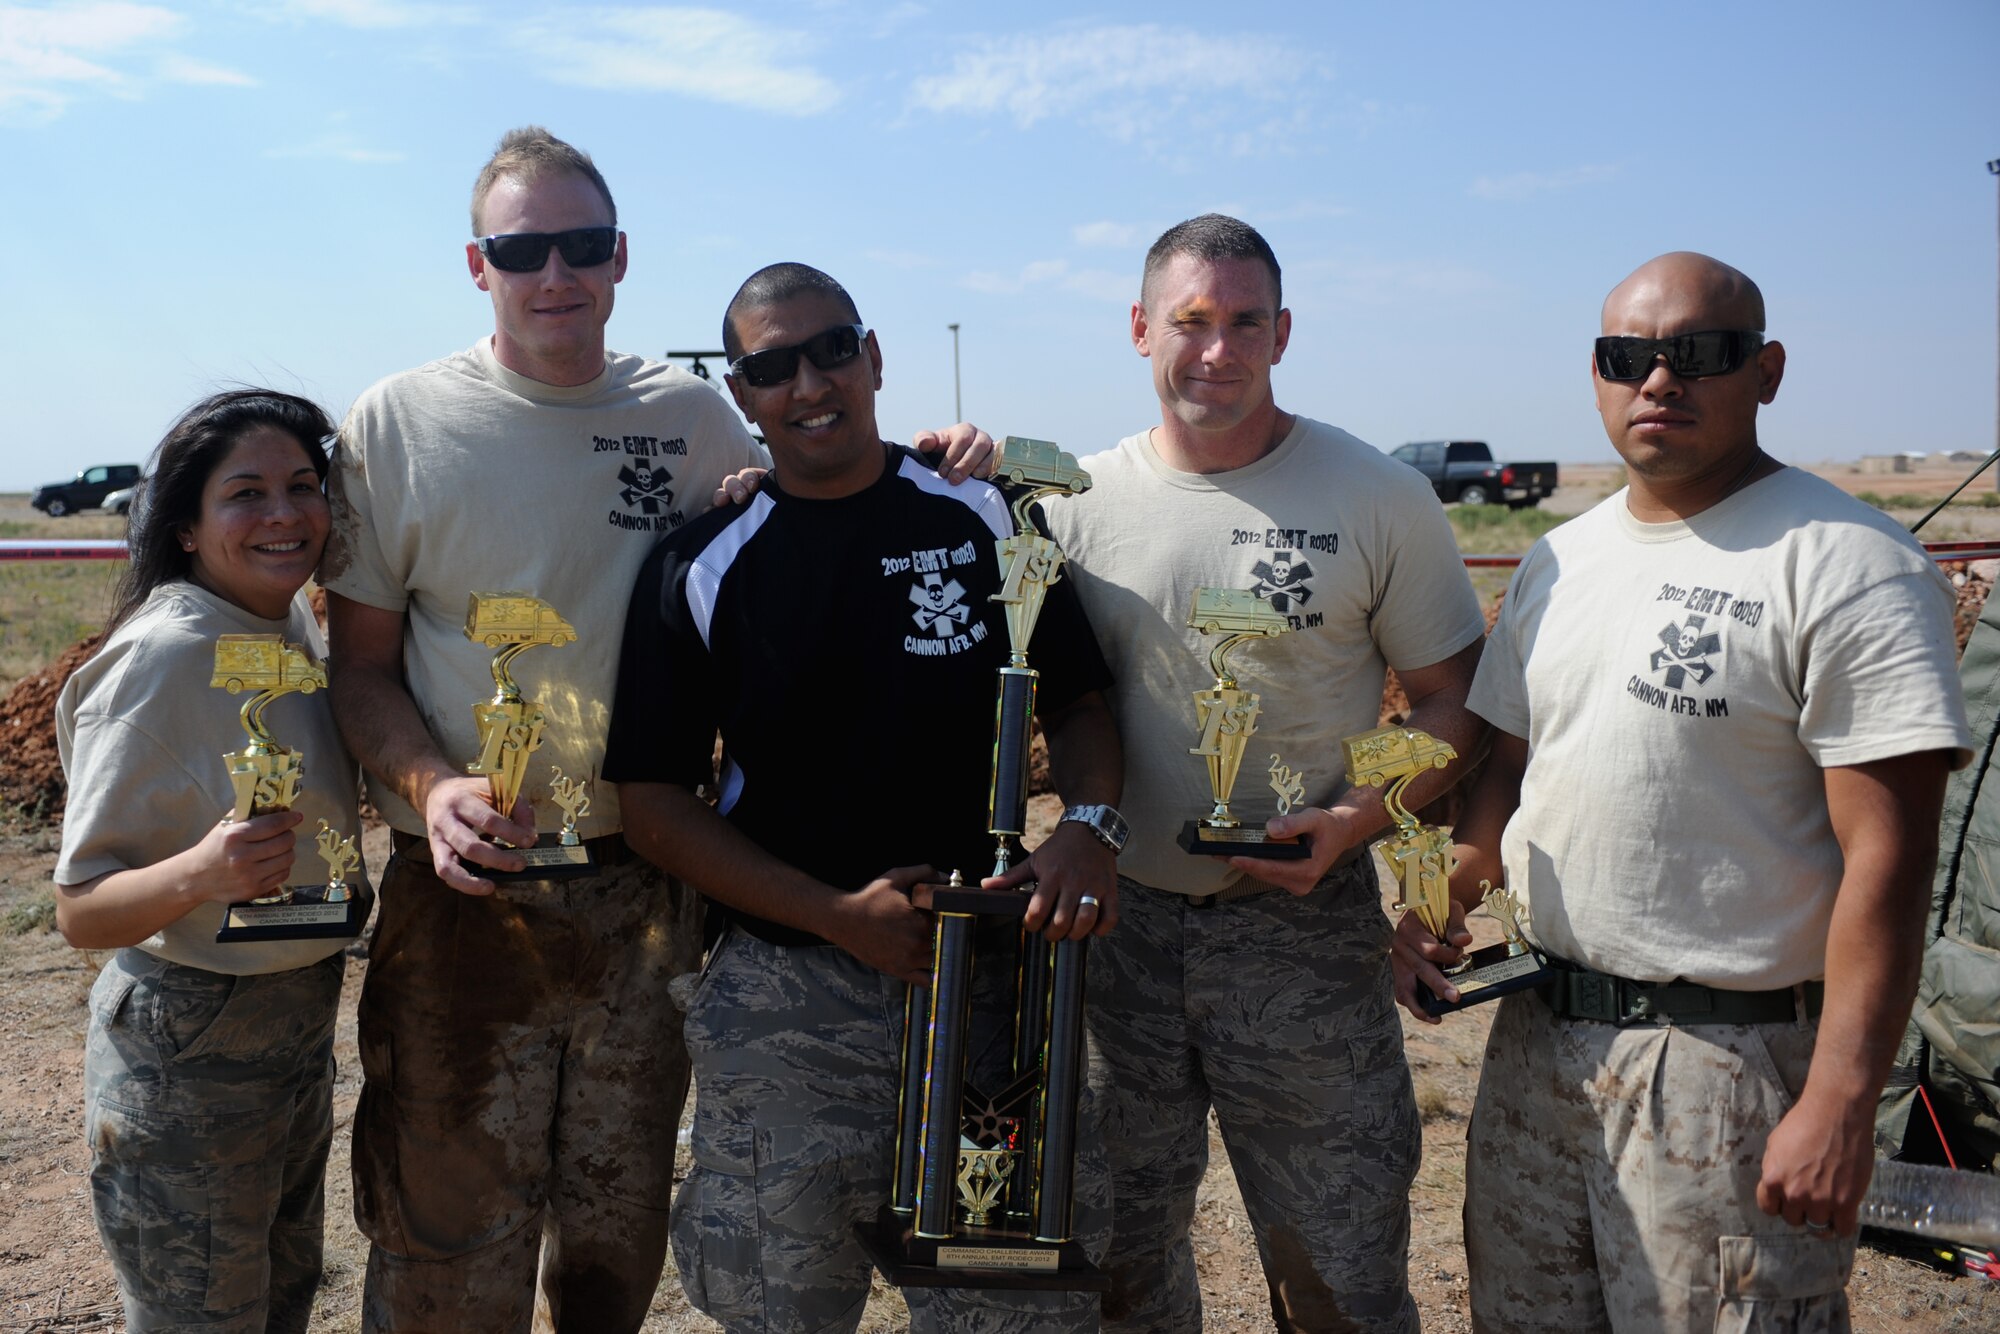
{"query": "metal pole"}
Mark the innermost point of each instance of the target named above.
(1992, 167)
(957, 403)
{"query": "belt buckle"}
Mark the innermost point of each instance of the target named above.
(1203, 901)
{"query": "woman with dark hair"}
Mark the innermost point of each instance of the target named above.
(208, 1077)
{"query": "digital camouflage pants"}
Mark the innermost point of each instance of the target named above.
(209, 1110)
(796, 1054)
(1276, 1011)
(524, 1074)
(1611, 1180)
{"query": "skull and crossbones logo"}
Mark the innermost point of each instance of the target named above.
(1282, 580)
(1684, 651)
(645, 486)
(941, 605)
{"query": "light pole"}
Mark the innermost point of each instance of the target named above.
(958, 404)
(1994, 168)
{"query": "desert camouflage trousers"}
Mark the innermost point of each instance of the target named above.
(796, 1055)
(208, 1104)
(1275, 1010)
(524, 1082)
(1611, 1180)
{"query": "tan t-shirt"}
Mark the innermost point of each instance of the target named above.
(1349, 543)
(462, 477)
(142, 734)
(1682, 686)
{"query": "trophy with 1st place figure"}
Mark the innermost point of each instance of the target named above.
(510, 730)
(265, 777)
(984, 1181)
(1423, 860)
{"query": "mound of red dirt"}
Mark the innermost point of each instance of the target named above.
(31, 775)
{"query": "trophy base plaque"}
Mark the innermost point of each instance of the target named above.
(304, 917)
(1489, 974)
(549, 859)
(976, 1257)
(1205, 840)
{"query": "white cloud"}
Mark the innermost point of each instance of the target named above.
(1126, 80)
(336, 148)
(380, 13)
(701, 53)
(1110, 235)
(1098, 284)
(1523, 184)
(50, 55)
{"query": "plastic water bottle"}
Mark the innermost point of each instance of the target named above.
(1936, 1202)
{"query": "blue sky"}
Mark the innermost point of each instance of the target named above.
(199, 194)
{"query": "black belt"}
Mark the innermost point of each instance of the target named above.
(1244, 889)
(1577, 992)
(606, 850)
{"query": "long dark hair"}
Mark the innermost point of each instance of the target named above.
(169, 498)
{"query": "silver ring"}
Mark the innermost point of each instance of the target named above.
(1088, 901)
(1818, 1227)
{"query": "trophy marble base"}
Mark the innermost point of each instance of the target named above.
(305, 917)
(1489, 974)
(977, 1257)
(549, 859)
(1205, 840)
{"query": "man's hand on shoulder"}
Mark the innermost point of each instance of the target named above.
(879, 925)
(1328, 833)
(737, 488)
(460, 820)
(1415, 955)
(1071, 864)
(1818, 1162)
(967, 450)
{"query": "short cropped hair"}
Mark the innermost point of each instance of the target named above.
(1210, 237)
(775, 283)
(528, 154)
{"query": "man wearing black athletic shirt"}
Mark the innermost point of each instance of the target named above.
(838, 633)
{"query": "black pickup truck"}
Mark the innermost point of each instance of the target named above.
(1464, 470)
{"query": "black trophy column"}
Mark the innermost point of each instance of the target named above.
(910, 1102)
(944, 1074)
(1062, 1079)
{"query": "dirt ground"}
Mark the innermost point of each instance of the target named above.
(53, 1276)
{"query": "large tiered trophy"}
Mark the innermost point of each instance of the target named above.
(265, 777)
(510, 730)
(984, 1180)
(1227, 716)
(1423, 860)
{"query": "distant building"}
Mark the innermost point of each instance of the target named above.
(1879, 463)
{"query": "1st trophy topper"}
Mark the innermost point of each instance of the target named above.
(1423, 858)
(510, 727)
(264, 777)
(1228, 718)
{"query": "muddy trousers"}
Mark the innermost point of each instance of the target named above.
(524, 1075)
(796, 1053)
(1611, 1180)
(209, 1109)
(1276, 1011)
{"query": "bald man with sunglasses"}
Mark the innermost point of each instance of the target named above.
(1724, 704)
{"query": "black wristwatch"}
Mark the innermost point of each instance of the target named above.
(1103, 821)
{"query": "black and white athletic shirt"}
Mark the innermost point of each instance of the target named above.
(846, 652)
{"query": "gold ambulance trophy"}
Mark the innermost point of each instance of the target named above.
(265, 777)
(1227, 715)
(1423, 861)
(984, 1182)
(510, 730)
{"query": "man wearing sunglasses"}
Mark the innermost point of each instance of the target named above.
(840, 633)
(1725, 704)
(524, 1072)
(1258, 988)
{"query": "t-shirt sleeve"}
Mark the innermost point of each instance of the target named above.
(355, 565)
(1064, 650)
(663, 724)
(1881, 677)
(1427, 610)
(1500, 687)
(124, 785)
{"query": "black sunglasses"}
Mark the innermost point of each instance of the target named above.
(525, 252)
(1690, 356)
(777, 365)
